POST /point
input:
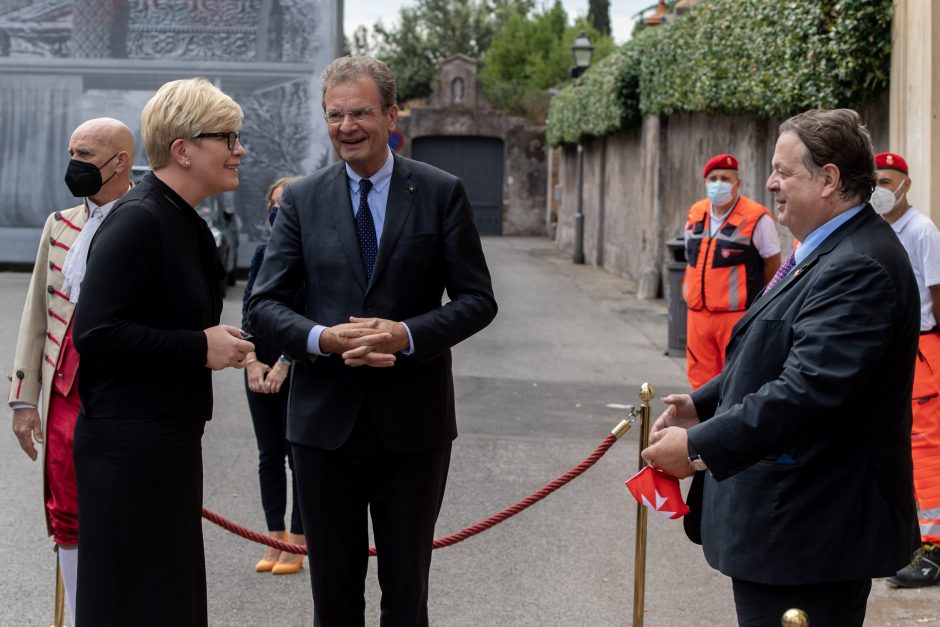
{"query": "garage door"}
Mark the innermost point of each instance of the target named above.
(478, 162)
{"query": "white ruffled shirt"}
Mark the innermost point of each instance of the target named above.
(77, 257)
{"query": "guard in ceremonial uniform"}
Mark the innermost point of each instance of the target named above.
(921, 239)
(44, 392)
(733, 250)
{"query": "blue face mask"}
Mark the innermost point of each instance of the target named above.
(719, 192)
(272, 214)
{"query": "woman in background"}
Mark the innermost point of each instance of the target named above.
(267, 386)
(147, 328)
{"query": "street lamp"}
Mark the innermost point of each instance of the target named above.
(582, 50)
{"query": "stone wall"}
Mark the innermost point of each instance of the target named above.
(525, 183)
(67, 61)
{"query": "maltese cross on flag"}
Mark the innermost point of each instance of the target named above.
(658, 491)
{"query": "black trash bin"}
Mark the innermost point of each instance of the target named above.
(675, 271)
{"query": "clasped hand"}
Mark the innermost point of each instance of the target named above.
(365, 341)
(669, 444)
(265, 379)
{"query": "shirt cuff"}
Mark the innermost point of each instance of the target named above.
(313, 340)
(411, 342)
(21, 405)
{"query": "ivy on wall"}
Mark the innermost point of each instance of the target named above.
(603, 100)
(727, 57)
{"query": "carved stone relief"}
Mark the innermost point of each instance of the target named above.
(280, 141)
(35, 29)
(301, 21)
(194, 29)
(282, 131)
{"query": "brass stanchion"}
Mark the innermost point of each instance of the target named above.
(794, 618)
(639, 566)
(58, 618)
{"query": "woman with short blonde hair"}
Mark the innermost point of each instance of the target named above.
(149, 337)
(184, 109)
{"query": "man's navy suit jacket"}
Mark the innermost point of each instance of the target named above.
(807, 430)
(429, 244)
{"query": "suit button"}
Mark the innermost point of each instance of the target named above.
(51, 266)
(20, 374)
(58, 215)
(50, 289)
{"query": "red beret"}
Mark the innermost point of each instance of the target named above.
(720, 162)
(891, 161)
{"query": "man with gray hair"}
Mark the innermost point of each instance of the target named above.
(376, 239)
(802, 443)
(44, 394)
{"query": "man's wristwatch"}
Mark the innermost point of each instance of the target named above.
(695, 460)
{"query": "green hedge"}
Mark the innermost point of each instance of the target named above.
(729, 57)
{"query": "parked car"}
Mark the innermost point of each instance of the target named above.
(222, 225)
(227, 223)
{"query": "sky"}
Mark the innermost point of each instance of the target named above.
(366, 12)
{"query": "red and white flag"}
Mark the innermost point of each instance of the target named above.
(658, 491)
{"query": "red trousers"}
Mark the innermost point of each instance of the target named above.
(707, 335)
(61, 488)
(925, 436)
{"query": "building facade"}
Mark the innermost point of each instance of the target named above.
(65, 61)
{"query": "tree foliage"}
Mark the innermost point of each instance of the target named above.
(531, 55)
(432, 30)
(599, 15)
(730, 57)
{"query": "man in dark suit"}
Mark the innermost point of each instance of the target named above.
(377, 239)
(808, 491)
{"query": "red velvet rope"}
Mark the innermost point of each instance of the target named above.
(460, 536)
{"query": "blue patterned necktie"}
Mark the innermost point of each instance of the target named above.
(365, 228)
(782, 271)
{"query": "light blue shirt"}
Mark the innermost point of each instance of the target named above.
(818, 236)
(378, 195)
(378, 202)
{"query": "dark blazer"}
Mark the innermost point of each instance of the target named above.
(807, 430)
(150, 289)
(429, 244)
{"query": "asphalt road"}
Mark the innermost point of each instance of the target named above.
(532, 396)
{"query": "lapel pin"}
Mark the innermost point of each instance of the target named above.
(412, 188)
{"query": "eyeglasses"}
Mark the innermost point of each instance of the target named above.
(335, 118)
(230, 136)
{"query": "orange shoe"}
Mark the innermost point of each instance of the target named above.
(271, 555)
(290, 563)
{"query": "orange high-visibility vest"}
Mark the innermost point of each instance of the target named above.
(925, 435)
(725, 272)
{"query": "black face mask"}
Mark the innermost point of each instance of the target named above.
(84, 179)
